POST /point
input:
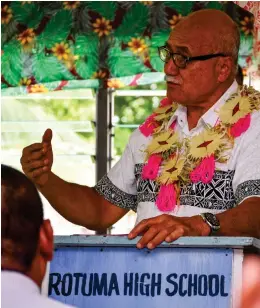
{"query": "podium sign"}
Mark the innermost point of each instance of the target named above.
(126, 277)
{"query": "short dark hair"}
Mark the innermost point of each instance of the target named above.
(22, 217)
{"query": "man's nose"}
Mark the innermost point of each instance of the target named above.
(170, 68)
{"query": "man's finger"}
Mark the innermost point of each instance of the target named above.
(47, 136)
(36, 155)
(37, 164)
(31, 148)
(159, 238)
(38, 172)
(139, 228)
(148, 236)
(145, 224)
(178, 232)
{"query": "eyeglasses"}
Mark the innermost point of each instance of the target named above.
(180, 60)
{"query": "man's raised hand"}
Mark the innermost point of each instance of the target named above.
(37, 160)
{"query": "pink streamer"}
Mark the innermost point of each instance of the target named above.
(240, 126)
(165, 102)
(172, 126)
(150, 170)
(204, 172)
(148, 126)
(167, 198)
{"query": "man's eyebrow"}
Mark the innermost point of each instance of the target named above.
(183, 50)
(179, 49)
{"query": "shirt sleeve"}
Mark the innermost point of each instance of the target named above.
(119, 185)
(246, 181)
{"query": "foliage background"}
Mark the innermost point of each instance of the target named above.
(54, 45)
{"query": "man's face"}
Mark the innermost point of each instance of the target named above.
(194, 84)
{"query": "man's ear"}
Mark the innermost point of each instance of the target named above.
(224, 68)
(46, 240)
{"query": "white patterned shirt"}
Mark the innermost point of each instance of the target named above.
(232, 183)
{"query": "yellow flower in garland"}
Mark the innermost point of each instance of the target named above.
(71, 5)
(137, 45)
(26, 37)
(61, 51)
(148, 3)
(6, 14)
(171, 171)
(164, 112)
(100, 75)
(25, 82)
(174, 20)
(235, 109)
(70, 62)
(247, 25)
(162, 143)
(38, 88)
(205, 144)
(115, 83)
(102, 26)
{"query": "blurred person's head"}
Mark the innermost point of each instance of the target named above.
(26, 239)
(240, 76)
(203, 33)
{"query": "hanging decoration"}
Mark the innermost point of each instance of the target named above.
(172, 161)
(89, 44)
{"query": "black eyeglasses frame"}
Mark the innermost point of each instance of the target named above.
(189, 59)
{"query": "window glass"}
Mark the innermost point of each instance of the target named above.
(70, 115)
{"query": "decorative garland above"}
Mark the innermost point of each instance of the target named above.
(171, 161)
(61, 45)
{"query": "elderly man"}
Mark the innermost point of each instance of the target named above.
(193, 168)
(27, 243)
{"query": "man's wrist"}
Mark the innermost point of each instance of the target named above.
(205, 228)
(212, 221)
(201, 226)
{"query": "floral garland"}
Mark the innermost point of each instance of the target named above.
(170, 161)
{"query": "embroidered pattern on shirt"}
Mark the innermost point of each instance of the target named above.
(217, 195)
(115, 195)
(247, 189)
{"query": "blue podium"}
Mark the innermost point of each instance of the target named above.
(109, 271)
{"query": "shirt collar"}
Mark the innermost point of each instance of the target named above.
(211, 116)
(18, 280)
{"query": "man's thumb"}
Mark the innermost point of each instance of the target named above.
(47, 136)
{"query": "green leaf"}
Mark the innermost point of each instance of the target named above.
(57, 29)
(47, 69)
(246, 45)
(123, 63)
(106, 9)
(12, 62)
(86, 67)
(159, 38)
(157, 63)
(86, 45)
(87, 48)
(81, 20)
(28, 14)
(50, 7)
(214, 5)
(8, 31)
(3, 86)
(182, 7)
(133, 24)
